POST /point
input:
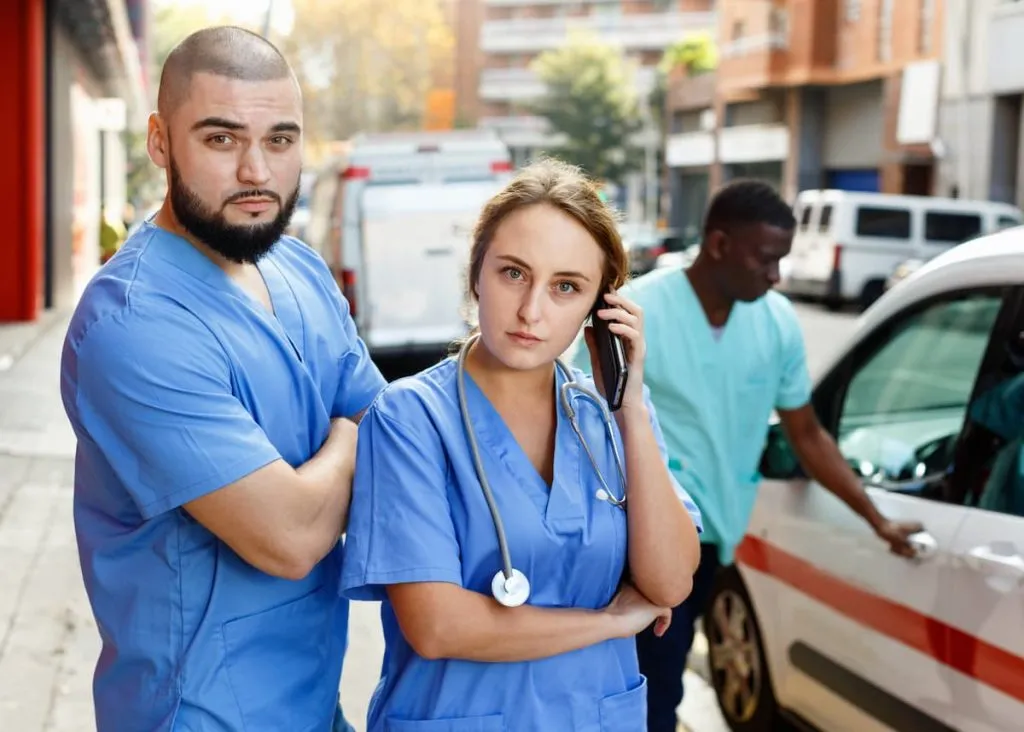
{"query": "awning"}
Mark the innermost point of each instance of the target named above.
(101, 31)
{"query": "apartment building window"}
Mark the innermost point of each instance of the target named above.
(608, 8)
(738, 28)
(852, 11)
(885, 30)
(924, 39)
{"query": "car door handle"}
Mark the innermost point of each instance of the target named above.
(924, 545)
(983, 559)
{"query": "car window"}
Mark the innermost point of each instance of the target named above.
(989, 465)
(905, 406)
(1007, 222)
(805, 217)
(826, 218)
(883, 223)
(952, 228)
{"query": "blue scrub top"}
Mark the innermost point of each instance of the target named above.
(177, 383)
(419, 515)
(715, 393)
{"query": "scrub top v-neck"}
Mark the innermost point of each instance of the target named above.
(418, 515)
(178, 383)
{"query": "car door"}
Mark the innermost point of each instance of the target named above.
(861, 626)
(984, 579)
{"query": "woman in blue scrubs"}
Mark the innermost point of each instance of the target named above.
(421, 537)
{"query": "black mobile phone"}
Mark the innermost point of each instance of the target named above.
(611, 354)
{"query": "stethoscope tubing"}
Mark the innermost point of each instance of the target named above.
(565, 398)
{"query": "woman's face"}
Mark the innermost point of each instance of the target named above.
(539, 279)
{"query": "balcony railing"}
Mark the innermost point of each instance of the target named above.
(652, 31)
(521, 84)
(755, 44)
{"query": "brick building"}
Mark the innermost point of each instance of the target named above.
(498, 39)
(810, 94)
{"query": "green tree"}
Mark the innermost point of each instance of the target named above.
(591, 100)
(696, 54)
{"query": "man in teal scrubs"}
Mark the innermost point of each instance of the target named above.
(723, 351)
(213, 377)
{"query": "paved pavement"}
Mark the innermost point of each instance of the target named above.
(48, 639)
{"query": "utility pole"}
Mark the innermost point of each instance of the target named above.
(266, 19)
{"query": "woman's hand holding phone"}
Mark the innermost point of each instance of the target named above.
(621, 319)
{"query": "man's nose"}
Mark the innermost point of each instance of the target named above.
(253, 168)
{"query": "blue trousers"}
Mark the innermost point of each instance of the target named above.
(663, 660)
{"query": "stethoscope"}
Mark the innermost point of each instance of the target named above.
(510, 587)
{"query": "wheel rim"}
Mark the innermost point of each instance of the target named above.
(735, 656)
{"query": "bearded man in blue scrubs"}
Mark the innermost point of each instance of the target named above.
(723, 352)
(214, 378)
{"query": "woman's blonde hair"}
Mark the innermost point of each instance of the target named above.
(566, 188)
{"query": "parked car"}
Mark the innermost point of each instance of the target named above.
(848, 243)
(393, 217)
(678, 260)
(645, 247)
(817, 621)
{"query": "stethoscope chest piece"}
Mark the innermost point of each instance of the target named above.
(511, 592)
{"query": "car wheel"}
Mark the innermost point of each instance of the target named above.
(871, 292)
(739, 669)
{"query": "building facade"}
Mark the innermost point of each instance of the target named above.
(512, 33)
(981, 124)
(812, 94)
(75, 82)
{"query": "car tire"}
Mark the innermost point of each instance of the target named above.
(871, 292)
(736, 658)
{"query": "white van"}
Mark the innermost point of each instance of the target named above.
(393, 217)
(847, 244)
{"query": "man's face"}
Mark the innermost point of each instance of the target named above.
(748, 257)
(233, 152)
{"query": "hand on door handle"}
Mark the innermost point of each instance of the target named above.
(924, 545)
(983, 559)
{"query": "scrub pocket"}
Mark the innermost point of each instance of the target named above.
(281, 667)
(490, 723)
(625, 712)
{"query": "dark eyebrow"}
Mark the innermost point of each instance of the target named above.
(523, 265)
(286, 127)
(228, 124)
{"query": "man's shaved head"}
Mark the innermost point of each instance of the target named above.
(227, 51)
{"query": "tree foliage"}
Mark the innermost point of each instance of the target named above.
(368, 65)
(697, 54)
(591, 100)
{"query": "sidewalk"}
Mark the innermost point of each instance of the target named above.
(48, 640)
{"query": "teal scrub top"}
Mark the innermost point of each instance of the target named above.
(715, 392)
(177, 383)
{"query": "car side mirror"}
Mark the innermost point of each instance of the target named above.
(779, 460)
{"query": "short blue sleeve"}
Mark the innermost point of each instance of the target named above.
(688, 503)
(361, 380)
(400, 527)
(154, 395)
(795, 380)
